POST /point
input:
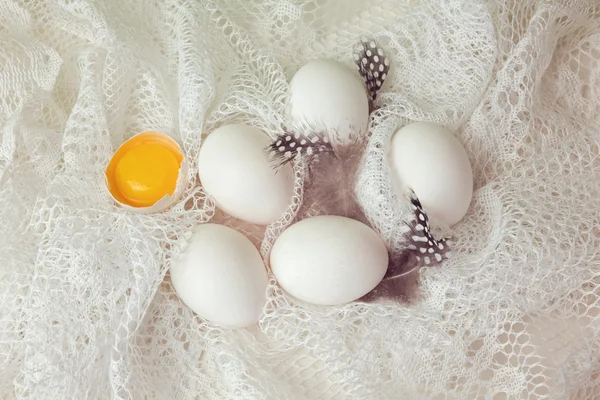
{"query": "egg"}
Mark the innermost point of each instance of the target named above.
(428, 159)
(147, 173)
(236, 170)
(326, 96)
(328, 260)
(220, 275)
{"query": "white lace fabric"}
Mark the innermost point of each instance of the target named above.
(86, 306)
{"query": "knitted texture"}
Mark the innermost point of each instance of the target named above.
(87, 310)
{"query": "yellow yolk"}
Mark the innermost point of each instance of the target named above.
(146, 173)
(144, 170)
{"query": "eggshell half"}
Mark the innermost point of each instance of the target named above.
(329, 260)
(220, 275)
(167, 200)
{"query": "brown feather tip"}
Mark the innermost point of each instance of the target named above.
(290, 145)
(422, 250)
(373, 66)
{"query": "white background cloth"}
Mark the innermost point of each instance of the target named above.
(86, 307)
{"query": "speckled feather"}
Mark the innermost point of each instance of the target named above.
(311, 146)
(373, 65)
(423, 250)
(427, 249)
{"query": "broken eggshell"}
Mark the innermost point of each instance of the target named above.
(147, 138)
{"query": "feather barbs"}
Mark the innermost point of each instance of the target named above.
(429, 250)
(292, 144)
(373, 66)
(420, 249)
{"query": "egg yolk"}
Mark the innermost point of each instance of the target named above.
(146, 173)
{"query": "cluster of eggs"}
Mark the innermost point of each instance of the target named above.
(324, 260)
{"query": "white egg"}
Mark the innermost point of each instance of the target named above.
(327, 96)
(428, 159)
(221, 276)
(236, 170)
(329, 260)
